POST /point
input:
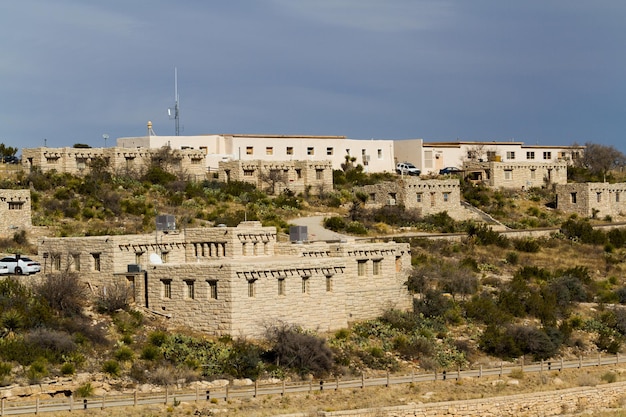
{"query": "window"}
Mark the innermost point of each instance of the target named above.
(361, 267)
(380, 154)
(81, 163)
(310, 150)
(329, 283)
(599, 197)
(617, 196)
(248, 172)
(251, 288)
(572, 198)
(281, 286)
(530, 155)
(491, 155)
(547, 155)
(510, 155)
(269, 150)
(138, 256)
(55, 261)
(377, 267)
(298, 173)
(166, 285)
(16, 205)
(432, 200)
(418, 197)
(446, 197)
(76, 261)
(372, 196)
(164, 255)
(508, 174)
(533, 174)
(212, 289)
(329, 151)
(319, 174)
(191, 289)
(289, 150)
(249, 150)
(97, 265)
(305, 285)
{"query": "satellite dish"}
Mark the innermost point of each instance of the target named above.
(155, 259)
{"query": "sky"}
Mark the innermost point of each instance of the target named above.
(542, 72)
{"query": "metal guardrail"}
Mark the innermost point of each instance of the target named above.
(169, 396)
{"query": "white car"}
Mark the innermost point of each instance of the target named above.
(19, 265)
(407, 168)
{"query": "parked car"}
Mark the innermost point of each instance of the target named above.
(407, 168)
(450, 170)
(4, 270)
(20, 265)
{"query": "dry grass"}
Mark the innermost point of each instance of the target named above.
(330, 400)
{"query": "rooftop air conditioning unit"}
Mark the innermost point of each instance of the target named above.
(133, 268)
(298, 233)
(165, 222)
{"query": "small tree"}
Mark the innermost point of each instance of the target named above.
(600, 159)
(64, 292)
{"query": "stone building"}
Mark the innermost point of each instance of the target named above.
(234, 280)
(15, 212)
(520, 175)
(187, 162)
(592, 199)
(275, 176)
(426, 196)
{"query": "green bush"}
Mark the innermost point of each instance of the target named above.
(111, 367)
(124, 354)
(157, 338)
(335, 223)
(68, 369)
(85, 390)
(150, 353)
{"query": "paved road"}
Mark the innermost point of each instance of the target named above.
(316, 231)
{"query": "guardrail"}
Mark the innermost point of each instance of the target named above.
(171, 396)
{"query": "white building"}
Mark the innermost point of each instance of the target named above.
(430, 157)
(375, 155)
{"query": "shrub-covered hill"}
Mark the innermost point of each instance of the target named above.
(483, 297)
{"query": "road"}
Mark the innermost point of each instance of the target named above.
(316, 230)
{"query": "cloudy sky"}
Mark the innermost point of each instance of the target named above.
(547, 72)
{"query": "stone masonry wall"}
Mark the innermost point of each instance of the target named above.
(600, 197)
(15, 212)
(427, 196)
(276, 176)
(234, 280)
(188, 162)
(519, 174)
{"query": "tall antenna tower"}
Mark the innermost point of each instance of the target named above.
(176, 115)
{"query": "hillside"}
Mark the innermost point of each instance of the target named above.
(480, 299)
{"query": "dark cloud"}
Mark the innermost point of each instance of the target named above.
(536, 71)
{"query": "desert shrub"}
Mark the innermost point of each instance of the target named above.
(495, 340)
(485, 235)
(56, 344)
(533, 341)
(356, 228)
(244, 360)
(621, 295)
(295, 349)
(432, 304)
(157, 175)
(37, 370)
(111, 367)
(414, 347)
(609, 377)
(484, 308)
(124, 354)
(609, 340)
(150, 353)
(583, 231)
(157, 338)
(114, 297)
(335, 223)
(512, 258)
(85, 390)
(64, 292)
(526, 245)
(127, 321)
(68, 368)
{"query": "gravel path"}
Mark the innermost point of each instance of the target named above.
(316, 230)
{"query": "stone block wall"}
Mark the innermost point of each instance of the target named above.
(187, 162)
(520, 175)
(15, 212)
(276, 176)
(601, 198)
(235, 280)
(426, 196)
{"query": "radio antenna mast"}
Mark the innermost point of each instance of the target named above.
(176, 115)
